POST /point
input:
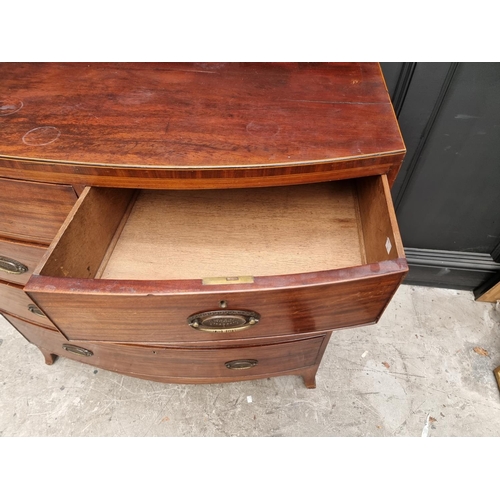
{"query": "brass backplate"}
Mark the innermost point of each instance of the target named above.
(77, 350)
(32, 308)
(11, 266)
(241, 364)
(223, 320)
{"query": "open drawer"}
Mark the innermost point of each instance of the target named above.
(194, 266)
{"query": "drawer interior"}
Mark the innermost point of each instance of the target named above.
(124, 234)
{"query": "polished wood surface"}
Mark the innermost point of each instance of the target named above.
(182, 117)
(159, 284)
(28, 254)
(127, 267)
(92, 311)
(210, 363)
(178, 365)
(13, 300)
(171, 178)
(33, 211)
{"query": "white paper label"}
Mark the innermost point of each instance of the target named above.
(388, 245)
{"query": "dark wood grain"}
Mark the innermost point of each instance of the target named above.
(99, 311)
(13, 300)
(83, 307)
(201, 178)
(181, 127)
(210, 363)
(28, 254)
(178, 365)
(231, 116)
(33, 211)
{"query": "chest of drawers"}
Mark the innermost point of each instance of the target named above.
(233, 215)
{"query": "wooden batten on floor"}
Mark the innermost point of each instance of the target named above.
(492, 295)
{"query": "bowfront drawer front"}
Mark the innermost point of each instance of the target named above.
(17, 260)
(180, 365)
(13, 300)
(131, 313)
(198, 365)
(33, 211)
(163, 266)
(212, 364)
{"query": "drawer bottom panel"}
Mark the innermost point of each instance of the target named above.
(194, 365)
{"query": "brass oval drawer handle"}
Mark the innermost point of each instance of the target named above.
(223, 320)
(11, 266)
(241, 364)
(35, 310)
(77, 350)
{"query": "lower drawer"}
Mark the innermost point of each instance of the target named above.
(182, 365)
(200, 365)
(13, 300)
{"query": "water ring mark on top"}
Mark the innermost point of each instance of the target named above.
(41, 136)
(10, 106)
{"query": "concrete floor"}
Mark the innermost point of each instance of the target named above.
(416, 367)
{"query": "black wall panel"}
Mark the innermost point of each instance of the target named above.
(447, 195)
(392, 72)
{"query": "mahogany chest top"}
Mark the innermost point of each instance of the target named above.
(188, 125)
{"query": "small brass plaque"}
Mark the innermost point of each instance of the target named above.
(227, 280)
